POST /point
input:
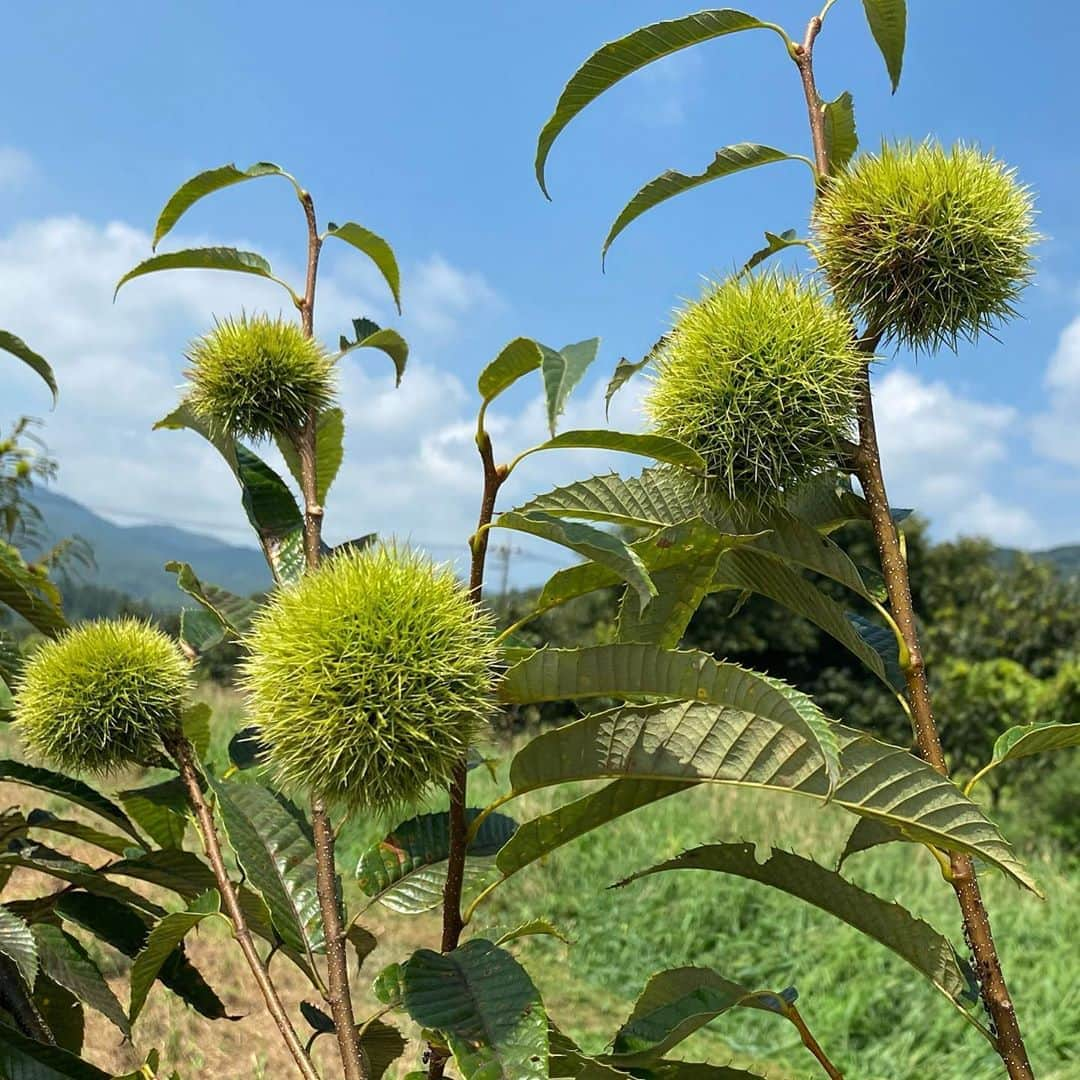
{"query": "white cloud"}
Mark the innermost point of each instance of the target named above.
(665, 89)
(1054, 432)
(16, 167)
(941, 452)
(119, 367)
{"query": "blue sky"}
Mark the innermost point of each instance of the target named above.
(419, 121)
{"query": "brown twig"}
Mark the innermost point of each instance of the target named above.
(459, 826)
(338, 993)
(812, 1044)
(867, 462)
(183, 754)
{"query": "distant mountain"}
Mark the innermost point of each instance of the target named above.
(1065, 558)
(131, 558)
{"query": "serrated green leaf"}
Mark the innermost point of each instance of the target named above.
(68, 964)
(625, 371)
(270, 505)
(62, 1012)
(550, 831)
(888, 24)
(182, 418)
(376, 249)
(604, 548)
(206, 183)
(28, 594)
(44, 860)
(694, 742)
(1026, 740)
(617, 59)
(66, 787)
(246, 748)
(883, 641)
(868, 834)
(531, 928)
(486, 1005)
(656, 498)
(406, 870)
(329, 452)
(886, 922)
(161, 810)
(182, 872)
(161, 943)
(515, 359)
(381, 1045)
(657, 447)
(841, 139)
(126, 930)
(18, 944)
(628, 671)
(387, 984)
(751, 571)
(370, 336)
(195, 724)
(43, 819)
(208, 258)
(562, 371)
(26, 1059)
(21, 351)
(278, 857)
(728, 160)
(774, 243)
(679, 592)
(231, 611)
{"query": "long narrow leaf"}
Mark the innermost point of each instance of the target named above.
(617, 59)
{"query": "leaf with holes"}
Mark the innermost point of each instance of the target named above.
(18, 348)
(624, 671)
(329, 452)
(694, 742)
(406, 870)
(617, 59)
(486, 1005)
(278, 856)
(375, 248)
(728, 160)
(206, 183)
(162, 941)
(67, 963)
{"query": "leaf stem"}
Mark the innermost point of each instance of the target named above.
(183, 753)
(812, 1044)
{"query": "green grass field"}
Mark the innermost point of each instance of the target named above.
(877, 1019)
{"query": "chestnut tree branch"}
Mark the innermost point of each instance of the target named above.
(894, 568)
